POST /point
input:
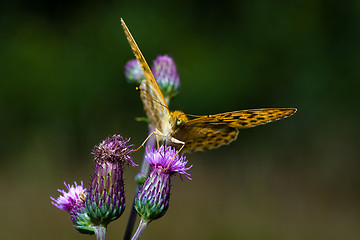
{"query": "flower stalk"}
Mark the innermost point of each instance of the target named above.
(140, 230)
(140, 179)
(100, 232)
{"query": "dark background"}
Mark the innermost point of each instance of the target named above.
(63, 90)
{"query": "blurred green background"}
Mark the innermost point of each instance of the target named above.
(63, 90)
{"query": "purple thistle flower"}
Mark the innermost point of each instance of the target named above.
(165, 160)
(105, 200)
(133, 72)
(152, 200)
(74, 196)
(165, 73)
(73, 202)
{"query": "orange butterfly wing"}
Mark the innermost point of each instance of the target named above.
(248, 118)
(213, 131)
(155, 106)
(200, 138)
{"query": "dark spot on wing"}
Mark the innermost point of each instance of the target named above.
(199, 141)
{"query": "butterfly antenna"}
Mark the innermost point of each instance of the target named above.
(191, 115)
(138, 89)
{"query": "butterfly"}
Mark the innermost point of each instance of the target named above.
(202, 132)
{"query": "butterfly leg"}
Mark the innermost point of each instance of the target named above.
(144, 142)
(174, 140)
(157, 133)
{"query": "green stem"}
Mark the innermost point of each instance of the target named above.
(140, 178)
(100, 232)
(140, 230)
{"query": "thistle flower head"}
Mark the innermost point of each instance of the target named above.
(167, 160)
(73, 202)
(152, 200)
(165, 73)
(113, 149)
(105, 200)
(133, 72)
(74, 197)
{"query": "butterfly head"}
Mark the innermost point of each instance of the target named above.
(177, 119)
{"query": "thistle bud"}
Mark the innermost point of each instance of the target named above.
(165, 73)
(133, 72)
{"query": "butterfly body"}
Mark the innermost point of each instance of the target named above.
(201, 132)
